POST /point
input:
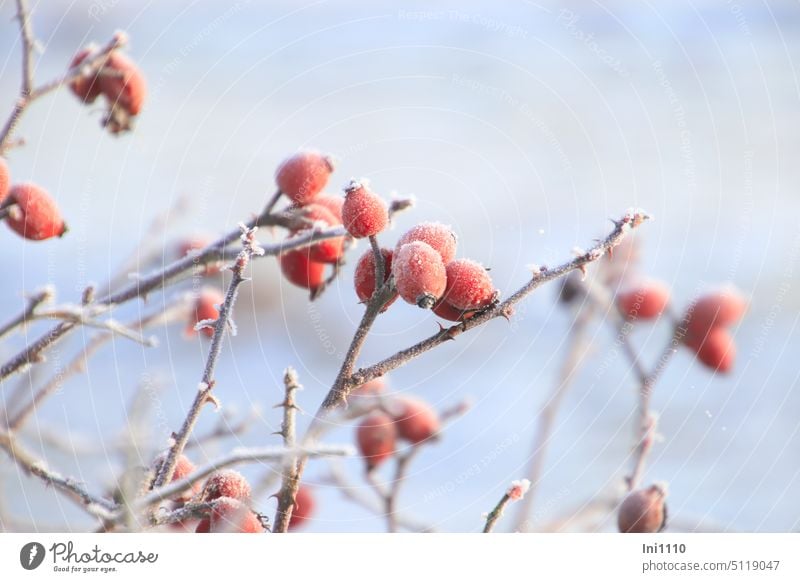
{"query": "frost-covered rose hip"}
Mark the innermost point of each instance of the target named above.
(124, 87)
(419, 274)
(230, 516)
(304, 505)
(329, 250)
(441, 238)
(364, 277)
(183, 468)
(363, 213)
(376, 436)
(646, 300)
(717, 350)
(85, 87)
(446, 311)
(205, 308)
(300, 270)
(643, 511)
(226, 483)
(5, 179)
(303, 175)
(415, 420)
(721, 308)
(469, 285)
(35, 215)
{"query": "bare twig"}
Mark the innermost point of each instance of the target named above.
(286, 497)
(516, 492)
(34, 301)
(250, 249)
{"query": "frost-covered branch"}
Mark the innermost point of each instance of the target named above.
(288, 491)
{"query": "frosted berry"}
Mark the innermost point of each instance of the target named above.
(332, 203)
(364, 277)
(35, 215)
(85, 87)
(205, 308)
(329, 250)
(441, 238)
(230, 516)
(419, 274)
(415, 420)
(183, 468)
(300, 270)
(5, 179)
(125, 89)
(717, 350)
(469, 285)
(304, 505)
(376, 436)
(363, 213)
(446, 311)
(303, 175)
(646, 300)
(718, 309)
(226, 483)
(643, 511)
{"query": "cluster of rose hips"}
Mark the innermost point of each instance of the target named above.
(117, 78)
(28, 209)
(231, 496)
(394, 418)
(422, 267)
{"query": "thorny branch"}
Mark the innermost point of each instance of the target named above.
(286, 497)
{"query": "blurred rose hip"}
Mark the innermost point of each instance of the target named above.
(416, 421)
(329, 250)
(643, 511)
(183, 468)
(302, 176)
(300, 270)
(226, 483)
(364, 277)
(205, 309)
(35, 215)
(376, 437)
(304, 505)
(646, 300)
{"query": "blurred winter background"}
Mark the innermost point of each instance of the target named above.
(525, 125)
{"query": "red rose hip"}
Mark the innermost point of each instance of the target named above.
(300, 270)
(364, 214)
(717, 350)
(376, 437)
(226, 483)
(205, 308)
(35, 215)
(415, 420)
(303, 175)
(125, 89)
(441, 238)
(5, 179)
(718, 309)
(644, 301)
(643, 511)
(304, 505)
(183, 468)
(469, 285)
(332, 203)
(328, 250)
(446, 311)
(419, 274)
(85, 87)
(364, 277)
(230, 516)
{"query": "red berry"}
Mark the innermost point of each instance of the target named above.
(226, 483)
(304, 505)
(469, 285)
(205, 307)
(419, 274)
(718, 309)
(125, 89)
(300, 270)
(5, 179)
(183, 468)
(230, 516)
(303, 175)
(364, 277)
(36, 215)
(440, 237)
(415, 420)
(329, 250)
(643, 511)
(363, 213)
(646, 300)
(332, 203)
(717, 350)
(196, 244)
(86, 88)
(376, 438)
(450, 313)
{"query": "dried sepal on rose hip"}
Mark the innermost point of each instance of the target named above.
(300, 270)
(364, 213)
(364, 277)
(441, 238)
(415, 420)
(183, 468)
(717, 350)
(419, 274)
(645, 300)
(5, 179)
(304, 506)
(376, 437)
(469, 286)
(226, 483)
(230, 516)
(32, 213)
(205, 309)
(302, 176)
(325, 251)
(643, 511)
